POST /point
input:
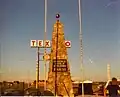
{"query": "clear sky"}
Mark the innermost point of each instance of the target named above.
(23, 20)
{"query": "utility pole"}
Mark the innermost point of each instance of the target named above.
(37, 69)
(81, 46)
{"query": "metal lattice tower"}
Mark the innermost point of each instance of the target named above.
(59, 57)
(108, 72)
(45, 36)
(81, 46)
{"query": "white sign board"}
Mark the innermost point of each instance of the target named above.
(47, 44)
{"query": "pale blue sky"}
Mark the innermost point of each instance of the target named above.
(23, 20)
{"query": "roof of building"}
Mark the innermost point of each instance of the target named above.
(87, 81)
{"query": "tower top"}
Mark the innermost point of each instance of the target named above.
(57, 16)
(58, 23)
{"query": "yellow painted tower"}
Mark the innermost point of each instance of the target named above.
(63, 80)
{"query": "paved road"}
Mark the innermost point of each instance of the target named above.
(92, 96)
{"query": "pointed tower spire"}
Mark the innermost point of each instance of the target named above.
(59, 70)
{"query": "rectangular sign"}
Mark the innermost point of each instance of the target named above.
(61, 65)
(47, 43)
(40, 43)
(33, 43)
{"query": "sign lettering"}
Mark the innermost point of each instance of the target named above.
(68, 44)
(40, 43)
(60, 65)
(47, 43)
(33, 43)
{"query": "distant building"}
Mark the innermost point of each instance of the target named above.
(41, 83)
(77, 87)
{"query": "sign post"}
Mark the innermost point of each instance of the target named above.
(37, 69)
